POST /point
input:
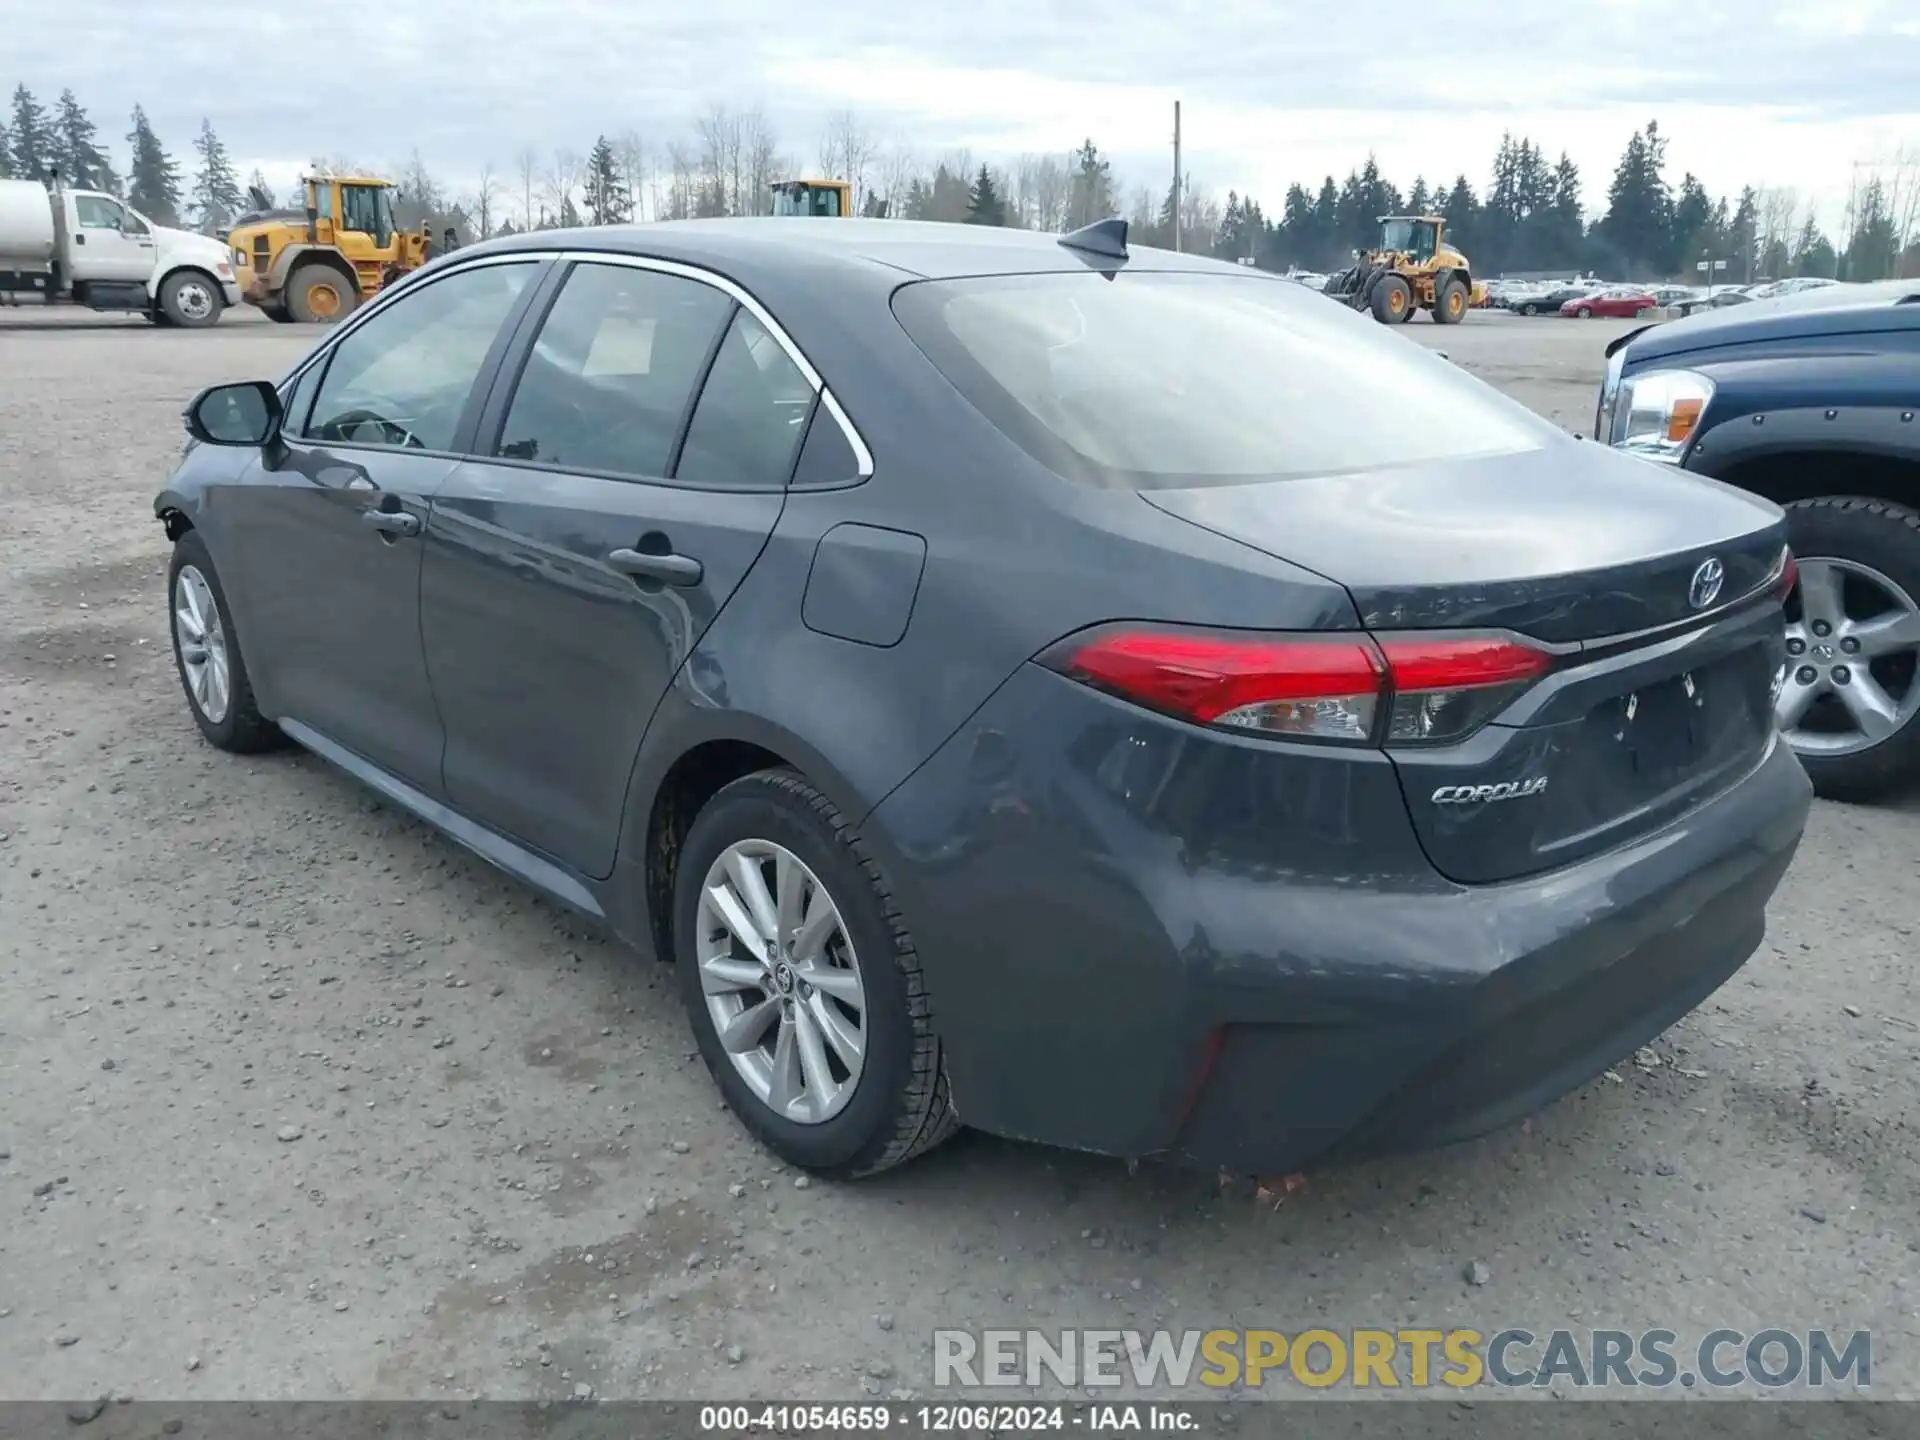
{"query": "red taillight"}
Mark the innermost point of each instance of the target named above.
(1317, 687)
(1789, 576)
(1325, 688)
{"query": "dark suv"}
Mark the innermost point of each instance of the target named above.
(1813, 401)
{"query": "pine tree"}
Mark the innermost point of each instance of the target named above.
(607, 200)
(81, 160)
(984, 205)
(216, 191)
(31, 137)
(1639, 219)
(153, 180)
(1419, 198)
(6, 154)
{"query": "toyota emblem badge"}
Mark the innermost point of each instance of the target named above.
(1704, 588)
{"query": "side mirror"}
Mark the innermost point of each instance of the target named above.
(243, 414)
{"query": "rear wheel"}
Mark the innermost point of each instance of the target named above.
(1850, 706)
(277, 313)
(1392, 300)
(802, 983)
(1450, 306)
(320, 295)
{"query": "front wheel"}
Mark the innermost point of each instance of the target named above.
(213, 673)
(1585, 312)
(1529, 309)
(1450, 307)
(320, 295)
(1850, 704)
(803, 984)
(190, 300)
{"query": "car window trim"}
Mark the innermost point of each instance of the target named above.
(556, 260)
(483, 381)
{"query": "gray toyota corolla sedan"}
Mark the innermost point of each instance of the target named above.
(1103, 697)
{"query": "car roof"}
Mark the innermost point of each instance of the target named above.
(765, 245)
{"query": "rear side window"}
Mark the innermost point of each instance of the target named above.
(752, 414)
(1160, 381)
(608, 379)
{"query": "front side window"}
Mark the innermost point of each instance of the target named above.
(402, 378)
(363, 208)
(96, 212)
(1162, 381)
(608, 379)
(751, 416)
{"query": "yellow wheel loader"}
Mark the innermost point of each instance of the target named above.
(314, 265)
(1413, 268)
(832, 198)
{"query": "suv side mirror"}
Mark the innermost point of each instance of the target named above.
(243, 414)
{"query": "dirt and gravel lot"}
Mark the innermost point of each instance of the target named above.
(299, 1100)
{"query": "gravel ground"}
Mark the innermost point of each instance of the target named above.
(299, 1100)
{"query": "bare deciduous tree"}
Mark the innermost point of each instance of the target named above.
(561, 179)
(527, 169)
(683, 172)
(636, 173)
(722, 160)
(848, 151)
(763, 163)
(485, 191)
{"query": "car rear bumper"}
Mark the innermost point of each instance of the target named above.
(1234, 953)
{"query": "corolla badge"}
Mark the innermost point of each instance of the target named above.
(1487, 794)
(1704, 588)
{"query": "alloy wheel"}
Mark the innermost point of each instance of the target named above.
(1853, 659)
(202, 643)
(781, 981)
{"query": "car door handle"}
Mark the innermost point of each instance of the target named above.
(391, 522)
(674, 569)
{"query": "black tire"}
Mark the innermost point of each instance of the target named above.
(1529, 308)
(1886, 537)
(1391, 300)
(900, 1106)
(191, 300)
(241, 729)
(308, 291)
(277, 313)
(1585, 312)
(1450, 305)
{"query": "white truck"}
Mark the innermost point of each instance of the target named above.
(83, 247)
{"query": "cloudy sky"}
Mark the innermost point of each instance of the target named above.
(1766, 92)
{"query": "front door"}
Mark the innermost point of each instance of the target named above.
(569, 576)
(108, 243)
(332, 565)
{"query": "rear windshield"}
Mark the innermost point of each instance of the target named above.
(1162, 381)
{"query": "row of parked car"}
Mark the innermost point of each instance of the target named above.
(1599, 299)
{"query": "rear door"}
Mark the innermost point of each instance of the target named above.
(637, 451)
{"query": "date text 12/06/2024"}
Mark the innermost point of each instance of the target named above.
(938, 1419)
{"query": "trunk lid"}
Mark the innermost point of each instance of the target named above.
(1585, 551)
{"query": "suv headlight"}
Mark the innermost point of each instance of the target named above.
(1656, 414)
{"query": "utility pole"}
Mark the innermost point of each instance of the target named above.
(1176, 175)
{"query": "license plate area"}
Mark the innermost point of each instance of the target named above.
(1661, 725)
